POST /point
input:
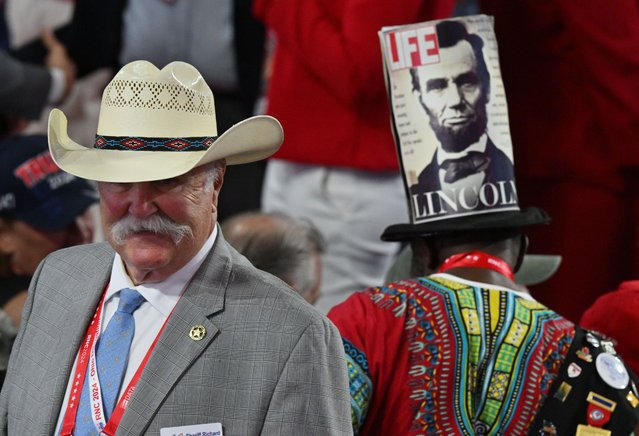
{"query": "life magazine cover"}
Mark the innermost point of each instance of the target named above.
(449, 117)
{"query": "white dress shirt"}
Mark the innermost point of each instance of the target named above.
(149, 318)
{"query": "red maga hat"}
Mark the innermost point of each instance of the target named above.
(616, 314)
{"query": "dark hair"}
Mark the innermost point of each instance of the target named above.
(449, 33)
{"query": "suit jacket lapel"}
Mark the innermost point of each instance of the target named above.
(90, 281)
(176, 351)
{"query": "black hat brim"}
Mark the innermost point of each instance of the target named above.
(485, 221)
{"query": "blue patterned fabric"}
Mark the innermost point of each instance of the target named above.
(361, 386)
(111, 353)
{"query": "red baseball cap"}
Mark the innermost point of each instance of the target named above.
(616, 314)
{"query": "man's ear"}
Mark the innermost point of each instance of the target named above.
(220, 178)
(217, 186)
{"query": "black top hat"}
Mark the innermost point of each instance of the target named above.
(487, 221)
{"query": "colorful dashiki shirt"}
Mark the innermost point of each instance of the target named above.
(442, 355)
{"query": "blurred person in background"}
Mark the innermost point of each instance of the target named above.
(25, 88)
(42, 209)
(286, 247)
(221, 38)
(338, 165)
(26, 21)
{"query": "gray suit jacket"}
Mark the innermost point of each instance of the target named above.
(24, 88)
(269, 363)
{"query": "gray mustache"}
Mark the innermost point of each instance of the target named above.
(157, 224)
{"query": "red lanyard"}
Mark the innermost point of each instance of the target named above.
(477, 259)
(68, 423)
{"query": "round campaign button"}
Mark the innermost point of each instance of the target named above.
(612, 370)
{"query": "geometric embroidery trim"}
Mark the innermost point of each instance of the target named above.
(519, 337)
(130, 143)
(361, 386)
(425, 348)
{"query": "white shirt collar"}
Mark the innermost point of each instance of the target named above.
(162, 295)
(480, 146)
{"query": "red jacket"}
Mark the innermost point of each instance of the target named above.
(327, 84)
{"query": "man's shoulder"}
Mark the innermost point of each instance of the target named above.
(86, 253)
(80, 260)
(67, 276)
(391, 297)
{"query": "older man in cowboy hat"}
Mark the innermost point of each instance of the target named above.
(166, 329)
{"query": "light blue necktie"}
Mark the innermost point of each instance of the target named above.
(111, 353)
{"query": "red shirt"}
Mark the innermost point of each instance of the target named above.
(327, 85)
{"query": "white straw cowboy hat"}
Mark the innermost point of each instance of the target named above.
(158, 124)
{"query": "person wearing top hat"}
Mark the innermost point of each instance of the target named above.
(454, 95)
(166, 329)
(461, 349)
